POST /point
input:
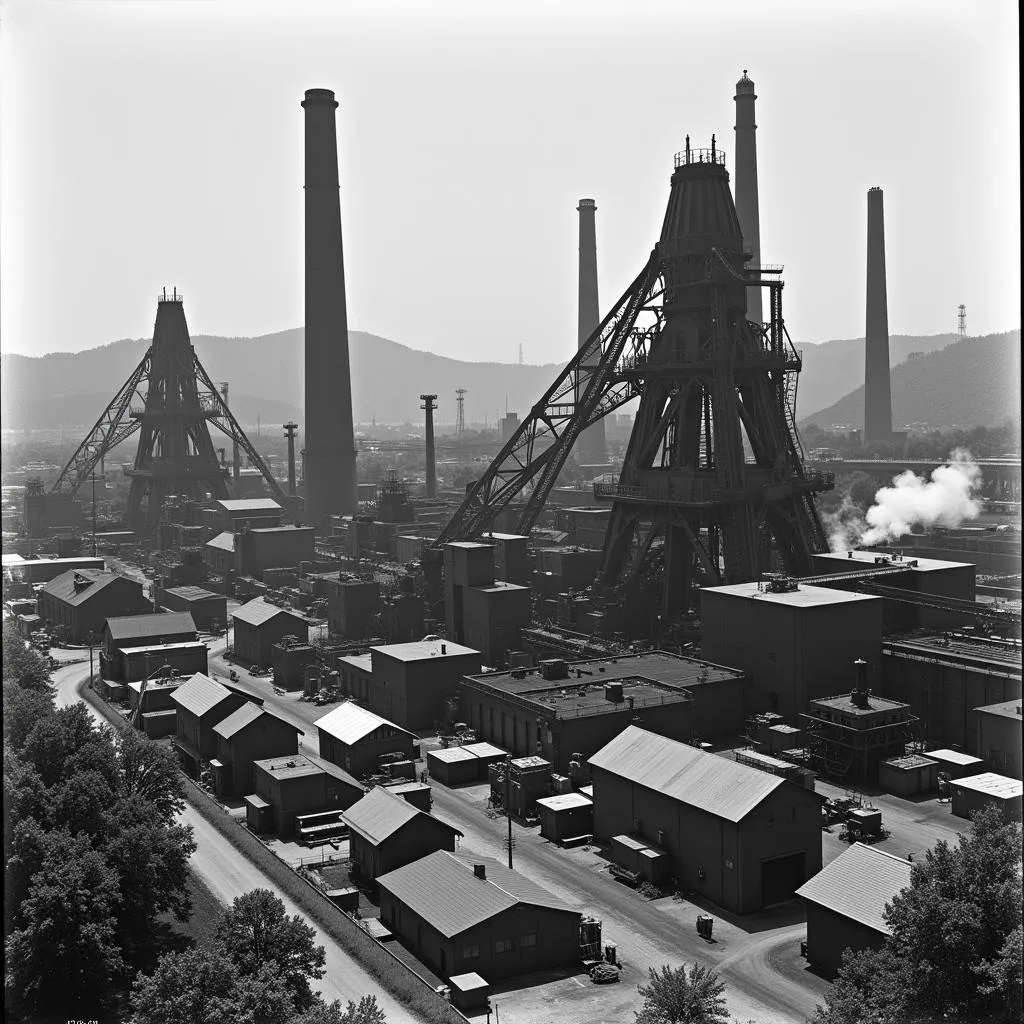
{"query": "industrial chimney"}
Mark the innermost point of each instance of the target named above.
(289, 432)
(330, 457)
(428, 434)
(591, 445)
(877, 390)
(746, 185)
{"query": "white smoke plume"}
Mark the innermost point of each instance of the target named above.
(947, 499)
(845, 526)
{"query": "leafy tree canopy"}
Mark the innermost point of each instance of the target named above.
(678, 996)
(954, 951)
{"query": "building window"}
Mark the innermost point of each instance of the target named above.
(470, 952)
(530, 939)
(503, 946)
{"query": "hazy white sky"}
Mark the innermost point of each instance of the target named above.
(159, 143)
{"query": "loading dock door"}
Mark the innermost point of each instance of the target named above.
(780, 878)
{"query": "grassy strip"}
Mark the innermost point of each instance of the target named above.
(395, 976)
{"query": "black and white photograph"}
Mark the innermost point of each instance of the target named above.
(511, 511)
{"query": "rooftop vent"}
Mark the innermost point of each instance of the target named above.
(554, 668)
(613, 692)
(480, 870)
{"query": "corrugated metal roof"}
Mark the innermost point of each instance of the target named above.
(711, 783)
(258, 611)
(199, 694)
(163, 624)
(442, 889)
(194, 593)
(450, 755)
(350, 723)
(953, 757)
(858, 884)
(223, 541)
(1007, 709)
(484, 749)
(422, 650)
(244, 716)
(379, 814)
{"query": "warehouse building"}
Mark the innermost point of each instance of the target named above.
(293, 786)
(142, 636)
(202, 703)
(236, 513)
(738, 836)
(999, 737)
(972, 794)
(43, 570)
(248, 734)
(477, 916)
(219, 554)
(181, 659)
(795, 642)
(258, 625)
(945, 676)
(846, 903)
(355, 739)
(415, 684)
(81, 600)
(208, 610)
(272, 547)
(560, 709)
(387, 832)
(565, 817)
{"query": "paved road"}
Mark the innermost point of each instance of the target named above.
(228, 874)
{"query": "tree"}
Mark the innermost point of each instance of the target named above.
(199, 986)
(255, 931)
(678, 997)
(22, 665)
(366, 1011)
(64, 955)
(149, 771)
(953, 952)
(22, 710)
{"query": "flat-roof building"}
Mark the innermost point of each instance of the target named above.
(796, 642)
(294, 785)
(988, 789)
(461, 915)
(564, 708)
(737, 836)
(846, 903)
(208, 609)
(945, 676)
(999, 736)
(415, 685)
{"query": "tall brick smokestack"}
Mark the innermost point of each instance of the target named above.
(877, 388)
(746, 185)
(330, 457)
(591, 446)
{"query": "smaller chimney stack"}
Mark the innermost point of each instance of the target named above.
(480, 870)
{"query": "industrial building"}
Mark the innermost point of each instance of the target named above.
(945, 676)
(414, 684)
(295, 785)
(485, 613)
(848, 736)
(81, 600)
(202, 703)
(846, 903)
(248, 734)
(258, 625)
(477, 916)
(136, 645)
(42, 570)
(209, 611)
(356, 739)
(975, 792)
(737, 836)
(920, 593)
(352, 604)
(235, 514)
(795, 642)
(999, 737)
(272, 547)
(566, 817)
(387, 832)
(219, 554)
(568, 711)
